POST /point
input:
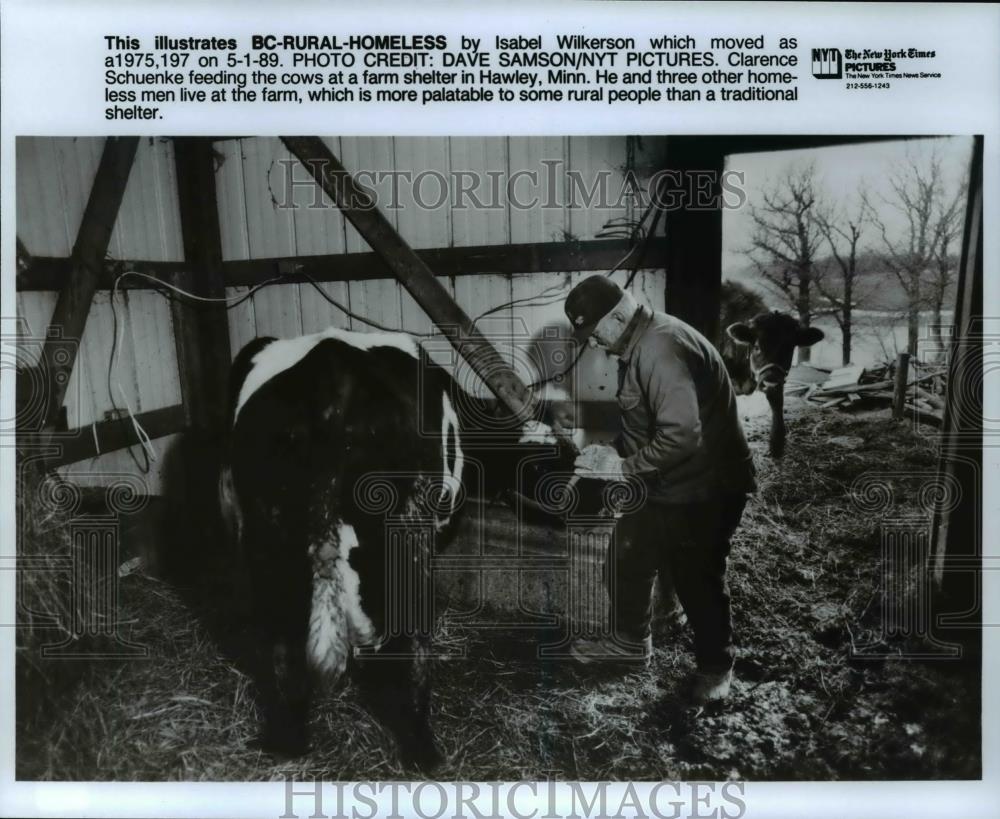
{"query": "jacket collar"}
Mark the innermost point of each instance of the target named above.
(633, 332)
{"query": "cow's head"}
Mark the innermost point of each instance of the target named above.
(772, 339)
(530, 465)
(516, 457)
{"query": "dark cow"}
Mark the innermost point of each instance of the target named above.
(757, 349)
(332, 436)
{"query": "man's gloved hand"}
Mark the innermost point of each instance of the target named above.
(599, 461)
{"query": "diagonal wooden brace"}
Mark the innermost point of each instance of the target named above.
(413, 273)
(70, 315)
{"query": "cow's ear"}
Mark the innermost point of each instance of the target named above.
(807, 336)
(740, 333)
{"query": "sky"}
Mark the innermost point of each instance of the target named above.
(842, 170)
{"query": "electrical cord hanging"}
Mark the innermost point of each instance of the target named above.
(147, 449)
(639, 237)
(173, 293)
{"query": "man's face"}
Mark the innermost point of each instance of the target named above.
(607, 331)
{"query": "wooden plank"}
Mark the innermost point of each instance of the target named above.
(234, 234)
(318, 314)
(242, 321)
(479, 167)
(118, 433)
(595, 177)
(369, 156)
(428, 292)
(541, 257)
(875, 386)
(538, 172)
(108, 468)
(844, 376)
(70, 315)
(34, 310)
(201, 334)
(320, 227)
(95, 360)
(49, 273)
(46, 208)
(152, 332)
(424, 216)
(378, 301)
(539, 324)
(278, 311)
(320, 230)
(270, 224)
(148, 225)
(924, 413)
(52, 273)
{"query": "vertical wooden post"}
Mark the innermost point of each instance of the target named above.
(899, 393)
(201, 331)
(958, 530)
(694, 232)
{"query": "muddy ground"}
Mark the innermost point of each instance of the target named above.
(807, 590)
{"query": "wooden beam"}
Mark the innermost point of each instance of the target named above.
(413, 273)
(108, 436)
(764, 143)
(201, 332)
(50, 273)
(694, 237)
(541, 257)
(70, 315)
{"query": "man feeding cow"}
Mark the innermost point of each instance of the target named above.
(344, 447)
(681, 435)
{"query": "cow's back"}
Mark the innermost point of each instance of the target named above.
(338, 414)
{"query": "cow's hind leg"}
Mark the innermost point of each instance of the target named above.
(395, 677)
(396, 682)
(281, 596)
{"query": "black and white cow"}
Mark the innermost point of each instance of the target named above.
(757, 350)
(331, 436)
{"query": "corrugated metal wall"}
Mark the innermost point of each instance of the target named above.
(253, 181)
(55, 175)
(54, 178)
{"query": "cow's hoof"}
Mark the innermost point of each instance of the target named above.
(426, 759)
(284, 743)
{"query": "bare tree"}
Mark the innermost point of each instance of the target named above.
(842, 229)
(944, 266)
(786, 239)
(918, 253)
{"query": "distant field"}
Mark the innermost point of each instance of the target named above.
(878, 337)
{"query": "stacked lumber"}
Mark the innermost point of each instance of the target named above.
(855, 386)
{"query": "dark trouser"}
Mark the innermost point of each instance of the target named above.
(691, 542)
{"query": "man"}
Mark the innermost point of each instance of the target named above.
(681, 435)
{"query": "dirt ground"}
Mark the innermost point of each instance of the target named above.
(806, 584)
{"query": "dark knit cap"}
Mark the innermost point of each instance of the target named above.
(589, 302)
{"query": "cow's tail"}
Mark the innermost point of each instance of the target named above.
(229, 506)
(336, 619)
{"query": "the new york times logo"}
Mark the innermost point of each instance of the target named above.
(827, 64)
